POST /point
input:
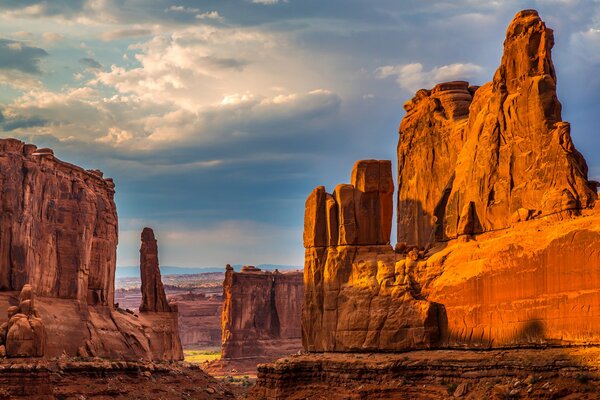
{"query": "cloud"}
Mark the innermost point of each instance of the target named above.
(23, 123)
(586, 45)
(413, 77)
(18, 56)
(182, 9)
(125, 34)
(214, 15)
(52, 37)
(19, 64)
(42, 8)
(90, 63)
(266, 2)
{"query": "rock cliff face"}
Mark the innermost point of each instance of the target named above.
(58, 226)
(497, 236)
(473, 160)
(261, 314)
(58, 233)
(359, 294)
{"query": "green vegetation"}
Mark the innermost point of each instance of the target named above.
(451, 388)
(200, 356)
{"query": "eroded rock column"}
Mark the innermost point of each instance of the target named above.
(153, 292)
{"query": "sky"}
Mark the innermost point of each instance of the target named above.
(217, 118)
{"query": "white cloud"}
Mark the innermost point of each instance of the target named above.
(210, 15)
(52, 37)
(267, 2)
(413, 77)
(586, 44)
(182, 9)
(19, 80)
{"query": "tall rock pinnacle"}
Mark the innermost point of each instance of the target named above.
(488, 155)
(153, 293)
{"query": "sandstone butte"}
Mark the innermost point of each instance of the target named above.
(498, 238)
(261, 314)
(58, 238)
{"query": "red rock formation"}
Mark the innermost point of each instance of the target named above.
(471, 162)
(58, 226)
(261, 314)
(360, 294)
(58, 232)
(24, 334)
(153, 293)
(484, 157)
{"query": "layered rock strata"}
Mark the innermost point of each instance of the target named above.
(551, 373)
(261, 314)
(58, 233)
(470, 160)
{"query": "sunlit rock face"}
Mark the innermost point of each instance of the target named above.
(359, 294)
(483, 154)
(498, 237)
(261, 313)
(58, 233)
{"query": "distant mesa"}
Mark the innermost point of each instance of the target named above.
(250, 268)
(261, 317)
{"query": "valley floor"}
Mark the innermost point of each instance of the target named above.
(536, 373)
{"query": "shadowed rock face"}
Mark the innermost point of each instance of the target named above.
(58, 226)
(484, 154)
(153, 293)
(58, 233)
(261, 313)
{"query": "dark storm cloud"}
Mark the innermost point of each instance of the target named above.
(22, 123)
(90, 63)
(21, 57)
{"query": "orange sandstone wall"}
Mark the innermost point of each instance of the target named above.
(498, 242)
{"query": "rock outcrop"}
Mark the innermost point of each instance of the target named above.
(58, 226)
(153, 294)
(261, 314)
(58, 233)
(24, 334)
(528, 374)
(489, 154)
(473, 163)
(359, 294)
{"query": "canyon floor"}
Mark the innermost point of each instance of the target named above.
(102, 379)
(548, 373)
(525, 373)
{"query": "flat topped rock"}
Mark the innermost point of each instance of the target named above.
(250, 268)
